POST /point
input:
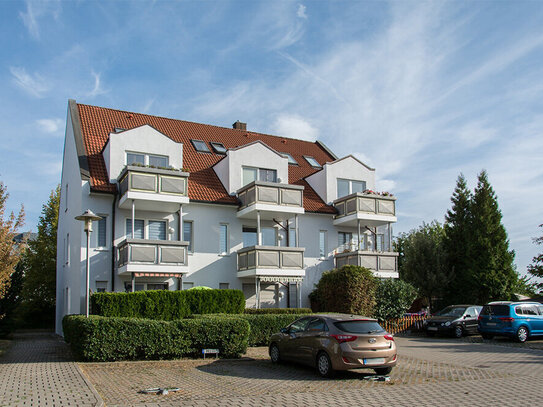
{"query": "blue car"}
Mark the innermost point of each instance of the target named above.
(518, 320)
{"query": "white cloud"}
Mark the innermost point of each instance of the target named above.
(97, 89)
(301, 11)
(294, 126)
(50, 125)
(35, 85)
(473, 134)
(36, 10)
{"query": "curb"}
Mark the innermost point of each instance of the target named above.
(100, 402)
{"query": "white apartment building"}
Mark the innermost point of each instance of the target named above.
(185, 204)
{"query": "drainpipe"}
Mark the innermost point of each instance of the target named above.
(113, 247)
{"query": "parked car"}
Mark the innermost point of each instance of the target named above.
(518, 320)
(335, 342)
(455, 320)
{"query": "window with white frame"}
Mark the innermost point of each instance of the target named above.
(290, 158)
(380, 242)
(269, 236)
(223, 238)
(251, 174)
(312, 161)
(224, 286)
(249, 236)
(101, 232)
(154, 160)
(322, 244)
(157, 229)
(348, 186)
(188, 235)
(292, 237)
(345, 241)
(139, 228)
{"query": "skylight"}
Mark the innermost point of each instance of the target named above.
(314, 163)
(219, 148)
(200, 146)
(291, 159)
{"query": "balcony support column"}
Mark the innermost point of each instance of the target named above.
(358, 229)
(296, 229)
(133, 282)
(257, 292)
(180, 222)
(258, 230)
(299, 293)
(389, 227)
(133, 218)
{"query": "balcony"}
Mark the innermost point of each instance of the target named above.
(383, 264)
(273, 200)
(372, 210)
(271, 261)
(152, 256)
(152, 188)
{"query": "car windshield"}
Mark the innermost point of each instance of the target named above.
(451, 312)
(495, 310)
(359, 327)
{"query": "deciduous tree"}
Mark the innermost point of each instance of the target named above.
(536, 268)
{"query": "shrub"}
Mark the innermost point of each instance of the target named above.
(167, 305)
(349, 289)
(108, 339)
(260, 311)
(393, 299)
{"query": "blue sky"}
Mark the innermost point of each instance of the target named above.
(420, 90)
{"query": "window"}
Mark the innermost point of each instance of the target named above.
(344, 240)
(187, 235)
(224, 286)
(158, 161)
(299, 326)
(200, 146)
(347, 186)
(223, 239)
(292, 237)
(219, 148)
(312, 162)
(66, 199)
(317, 325)
(322, 244)
(291, 159)
(138, 228)
(101, 286)
(135, 158)
(187, 286)
(157, 286)
(157, 230)
(268, 236)
(67, 249)
(380, 243)
(101, 235)
(251, 174)
(249, 236)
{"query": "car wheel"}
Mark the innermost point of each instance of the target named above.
(324, 365)
(522, 334)
(458, 331)
(487, 336)
(275, 355)
(381, 371)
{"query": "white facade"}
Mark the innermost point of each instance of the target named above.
(209, 256)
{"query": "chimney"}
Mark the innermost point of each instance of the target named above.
(239, 126)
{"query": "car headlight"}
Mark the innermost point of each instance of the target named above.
(448, 323)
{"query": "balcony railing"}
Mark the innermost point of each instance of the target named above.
(152, 252)
(365, 204)
(271, 193)
(153, 181)
(271, 257)
(385, 262)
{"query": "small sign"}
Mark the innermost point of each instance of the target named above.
(210, 351)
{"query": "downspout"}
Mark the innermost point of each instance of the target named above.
(113, 248)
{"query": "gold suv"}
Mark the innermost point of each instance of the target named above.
(335, 342)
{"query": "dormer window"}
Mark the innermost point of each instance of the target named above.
(251, 174)
(290, 158)
(219, 148)
(312, 162)
(146, 159)
(348, 186)
(200, 146)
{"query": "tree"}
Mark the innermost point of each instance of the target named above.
(424, 260)
(536, 268)
(393, 298)
(458, 244)
(10, 301)
(10, 250)
(39, 263)
(493, 273)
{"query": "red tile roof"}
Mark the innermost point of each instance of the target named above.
(204, 185)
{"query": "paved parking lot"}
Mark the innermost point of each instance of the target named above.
(37, 370)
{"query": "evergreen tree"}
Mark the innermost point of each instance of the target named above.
(424, 261)
(493, 273)
(457, 244)
(10, 250)
(536, 268)
(39, 262)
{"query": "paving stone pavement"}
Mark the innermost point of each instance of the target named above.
(429, 372)
(37, 371)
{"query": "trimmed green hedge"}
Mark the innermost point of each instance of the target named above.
(101, 339)
(260, 311)
(262, 326)
(167, 305)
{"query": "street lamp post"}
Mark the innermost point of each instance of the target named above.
(87, 217)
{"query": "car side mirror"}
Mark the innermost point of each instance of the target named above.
(284, 330)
